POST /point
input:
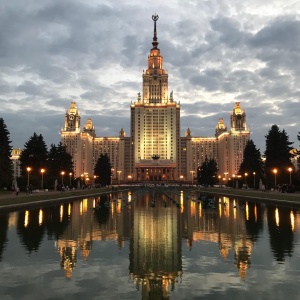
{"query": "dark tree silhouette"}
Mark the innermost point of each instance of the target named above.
(6, 169)
(207, 172)
(252, 164)
(34, 155)
(59, 160)
(278, 155)
(31, 235)
(102, 170)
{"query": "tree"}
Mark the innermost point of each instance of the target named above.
(278, 156)
(6, 169)
(34, 156)
(102, 170)
(207, 172)
(59, 160)
(252, 164)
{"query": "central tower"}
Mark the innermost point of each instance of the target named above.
(155, 123)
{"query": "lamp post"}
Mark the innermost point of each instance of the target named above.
(70, 174)
(119, 176)
(246, 174)
(62, 177)
(239, 176)
(111, 175)
(81, 179)
(275, 172)
(290, 170)
(233, 177)
(254, 179)
(192, 172)
(226, 180)
(42, 171)
(28, 172)
(129, 177)
(219, 180)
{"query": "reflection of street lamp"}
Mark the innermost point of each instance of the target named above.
(70, 174)
(275, 172)
(42, 171)
(28, 171)
(119, 175)
(254, 179)
(62, 177)
(290, 170)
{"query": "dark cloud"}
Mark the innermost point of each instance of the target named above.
(54, 52)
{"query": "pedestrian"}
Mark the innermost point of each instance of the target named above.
(17, 191)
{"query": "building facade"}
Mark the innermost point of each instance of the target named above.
(155, 151)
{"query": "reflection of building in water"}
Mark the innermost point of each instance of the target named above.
(155, 250)
(225, 225)
(85, 226)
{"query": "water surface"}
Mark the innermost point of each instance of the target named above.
(151, 244)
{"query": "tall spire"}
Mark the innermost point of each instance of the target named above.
(155, 42)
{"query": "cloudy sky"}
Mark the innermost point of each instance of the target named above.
(93, 52)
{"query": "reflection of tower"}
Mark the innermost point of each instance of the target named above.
(242, 255)
(68, 259)
(155, 251)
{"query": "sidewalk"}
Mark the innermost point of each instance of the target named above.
(9, 200)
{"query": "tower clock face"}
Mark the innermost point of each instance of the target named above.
(239, 116)
(71, 117)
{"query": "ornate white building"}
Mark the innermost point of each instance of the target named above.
(155, 150)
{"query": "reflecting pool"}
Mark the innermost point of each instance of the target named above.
(151, 244)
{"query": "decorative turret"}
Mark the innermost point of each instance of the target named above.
(171, 97)
(220, 128)
(238, 118)
(139, 98)
(122, 133)
(155, 42)
(72, 119)
(155, 78)
(188, 133)
(89, 127)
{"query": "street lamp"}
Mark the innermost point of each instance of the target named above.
(246, 174)
(275, 172)
(28, 171)
(42, 171)
(254, 179)
(82, 179)
(119, 175)
(219, 180)
(290, 170)
(192, 172)
(226, 173)
(62, 177)
(233, 177)
(70, 174)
